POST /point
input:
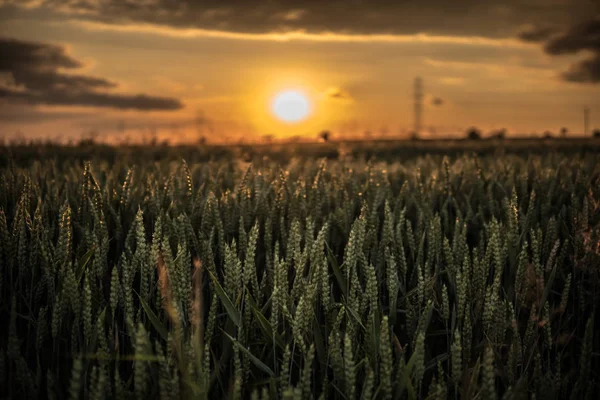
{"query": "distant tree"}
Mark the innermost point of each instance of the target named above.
(473, 133)
(498, 134)
(596, 133)
(413, 135)
(547, 135)
(325, 135)
(18, 139)
(268, 139)
(88, 139)
(563, 131)
(151, 137)
(202, 140)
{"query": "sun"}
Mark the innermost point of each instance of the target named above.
(290, 106)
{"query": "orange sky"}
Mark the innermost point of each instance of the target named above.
(357, 79)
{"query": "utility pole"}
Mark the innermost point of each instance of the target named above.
(586, 120)
(418, 99)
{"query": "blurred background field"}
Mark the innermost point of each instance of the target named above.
(333, 149)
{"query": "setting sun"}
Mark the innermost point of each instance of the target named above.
(290, 106)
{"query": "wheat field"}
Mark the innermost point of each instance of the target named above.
(431, 277)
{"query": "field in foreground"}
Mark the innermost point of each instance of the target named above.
(432, 277)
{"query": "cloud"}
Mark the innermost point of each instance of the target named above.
(536, 34)
(493, 18)
(579, 38)
(293, 15)
(17, 114)
(42, 79)
(493, 68)
(452, 80)
(583, 36)
(93, 99)
(18, 53)
(337, 94)
(586, 71)
(32, 73)
(302, 35)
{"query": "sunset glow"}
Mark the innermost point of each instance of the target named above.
(262, 69)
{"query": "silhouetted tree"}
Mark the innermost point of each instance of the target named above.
(547, 135)
(596, 133)
(268, 139)
(325, 136)
(473, 133)
(563, 131)
(150, 138)
(89, 139)
(499, 134)
(202, 140)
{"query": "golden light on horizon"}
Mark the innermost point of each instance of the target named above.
(291, 106)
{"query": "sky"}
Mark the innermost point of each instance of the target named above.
(131, 70)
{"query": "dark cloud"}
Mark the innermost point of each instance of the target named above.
(33, 74)
(47, 80)
(578, 38)
(16, 113)
(537, 34)
(94, 99)
(584, 36)
(17, 54)
(337, 93)
(586, 71)
(493, 18)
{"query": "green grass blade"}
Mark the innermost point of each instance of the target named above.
(159, 326)
(261, 365)
(82, 263)
(233, 312)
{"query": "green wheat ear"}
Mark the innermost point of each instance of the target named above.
(386, 362)
(488, 374)
(406, 277)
